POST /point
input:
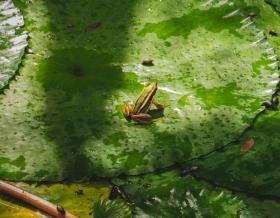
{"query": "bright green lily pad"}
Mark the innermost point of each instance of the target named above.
(12, 41)
(255, 171)
(170, 195)
(64, 111)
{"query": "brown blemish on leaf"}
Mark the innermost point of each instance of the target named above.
(92, 26)
(247, 145)
(148, 62)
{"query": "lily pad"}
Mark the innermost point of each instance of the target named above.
(170, 195)
(211, 62)
(12, 41)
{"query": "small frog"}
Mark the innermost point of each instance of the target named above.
(139, 111)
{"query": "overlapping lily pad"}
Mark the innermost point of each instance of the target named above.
(170, 195)
(12, 41)
(275, 4)
(212, 65)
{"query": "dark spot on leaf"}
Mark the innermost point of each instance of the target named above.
(93, 26)
(273, 33)
(77, 71)
(69, 25)
(148, 62)
(79, 192)
(273, 104)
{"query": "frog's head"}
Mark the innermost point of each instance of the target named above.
(127, 111)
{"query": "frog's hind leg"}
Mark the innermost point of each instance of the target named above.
(142, 118)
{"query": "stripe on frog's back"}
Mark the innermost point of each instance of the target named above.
(144, 100)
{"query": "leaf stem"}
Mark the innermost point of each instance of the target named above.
(33, 200)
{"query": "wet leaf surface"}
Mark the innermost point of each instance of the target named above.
(64, 110)
(216, 64)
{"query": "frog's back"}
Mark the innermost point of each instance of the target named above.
(145, 98)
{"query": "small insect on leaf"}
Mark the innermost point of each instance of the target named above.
(115, 192)
(247, 145)
(60, 209)
(79, 192)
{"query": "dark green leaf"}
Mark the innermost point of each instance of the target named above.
(168, 195)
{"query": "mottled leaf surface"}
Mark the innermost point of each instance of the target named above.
(255, 171)
(212, 64)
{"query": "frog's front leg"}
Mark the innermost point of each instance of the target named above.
(159, 106)
(142, 118)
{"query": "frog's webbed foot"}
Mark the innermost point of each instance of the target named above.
(142, 118)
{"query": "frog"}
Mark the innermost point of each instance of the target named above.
(139, 111)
